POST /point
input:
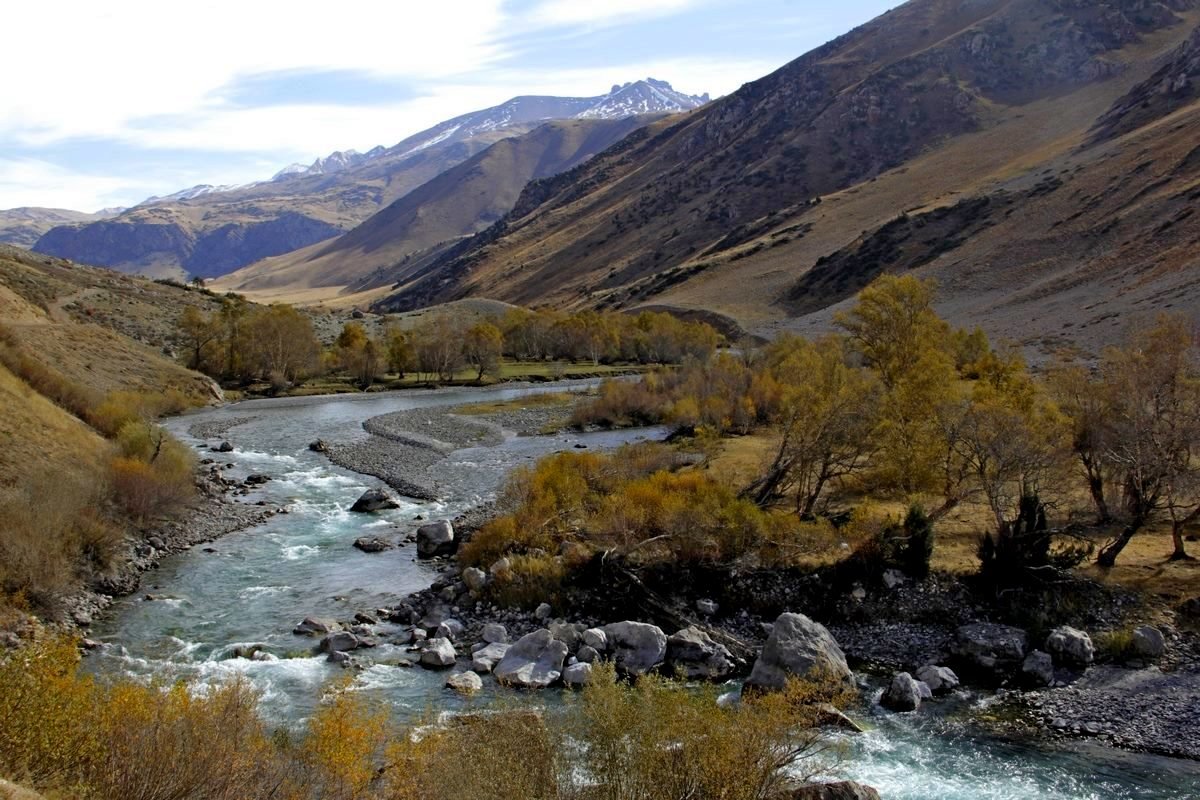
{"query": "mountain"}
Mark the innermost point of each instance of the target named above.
(24, 226)
(1024, 152)
(463, 200)
(210, 231)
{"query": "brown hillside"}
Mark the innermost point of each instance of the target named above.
(931, 104)
(459, 202)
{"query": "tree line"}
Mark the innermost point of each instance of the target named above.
(241, 343)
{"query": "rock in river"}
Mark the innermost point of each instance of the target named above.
(796, 646)
(372, 544)
(438, 654)
(842, 790)
(467, 683)
(312, 625)
(902, 694)
(534, 662)
(373, 500)
(940, 680)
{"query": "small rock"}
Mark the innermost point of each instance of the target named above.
(565, 633)
(577, 675)
(465, 683)
(339, 642)
(223, 447)
(893, 578)
(371, 544)
(637, 647)
(256, 479)
(319, 446)
(494, 633)
(940, 680)
(474, 578)
(486, 658)
(542, 612)
(1038, 669)
(694, 653)
(596, 639)
(587, 654)
(450, 629)
(1148, 642)
(707, 607)
(156, 542)
(313, 625)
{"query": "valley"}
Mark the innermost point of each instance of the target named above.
(831, 436)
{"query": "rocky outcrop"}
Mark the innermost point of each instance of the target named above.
(635, 647)
(534, 662)
(796, 647)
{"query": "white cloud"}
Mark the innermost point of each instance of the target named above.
(31, 182)
(583, 12)
(108, 64)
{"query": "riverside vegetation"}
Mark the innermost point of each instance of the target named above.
(899, 410)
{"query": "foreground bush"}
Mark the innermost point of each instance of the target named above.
(66, 734)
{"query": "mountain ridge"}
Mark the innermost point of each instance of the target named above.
(209, 232)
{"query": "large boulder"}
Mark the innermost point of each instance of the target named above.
(438, 654)
(1037, 671)
(534, 662)
(902, 694)
(636, 647)
(373, 500)
(486, 658)
(940, 680)
(1148, 642)
(987, 647)
(1070, 646)
(314, 625)
(797, 646)
(435, 539)
(692, 652)
(842, 790)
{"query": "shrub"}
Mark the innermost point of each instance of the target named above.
(1115, 646)
(154, 486)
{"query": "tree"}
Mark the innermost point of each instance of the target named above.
(400, 354)
(233, 317)
(1010, 439)
(200, 332)
(438, 345)
(827, 414)
(895, 330)
(359, 354)
(481, 348)
(282, 343)
(1152, 392)
(1085, 407)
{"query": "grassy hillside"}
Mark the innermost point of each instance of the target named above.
(459, 202)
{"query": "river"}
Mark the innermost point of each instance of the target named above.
(252, 587)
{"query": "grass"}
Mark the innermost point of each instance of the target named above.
(550, 399)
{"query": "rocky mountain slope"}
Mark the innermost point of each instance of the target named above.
(210, 231)
(24, 226)
(392, 244)
(942, 136)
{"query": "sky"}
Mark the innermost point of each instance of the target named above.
(106, 104)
